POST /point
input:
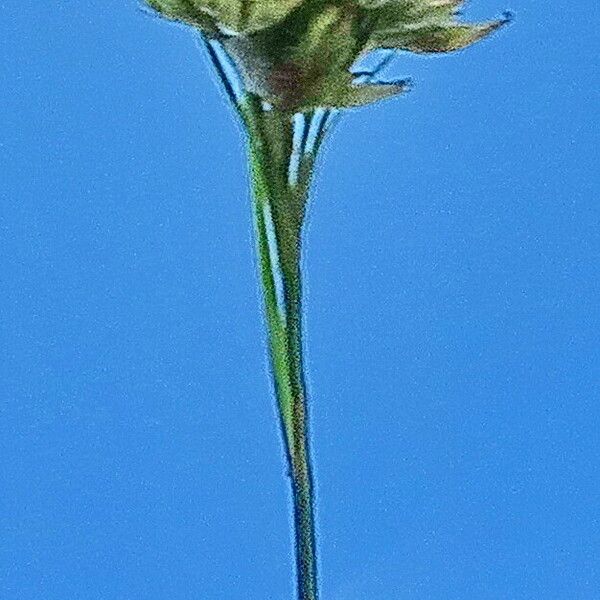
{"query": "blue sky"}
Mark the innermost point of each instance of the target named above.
(452, 321)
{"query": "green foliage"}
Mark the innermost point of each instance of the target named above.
(297, 54)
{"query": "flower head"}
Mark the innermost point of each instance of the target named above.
(298, 54)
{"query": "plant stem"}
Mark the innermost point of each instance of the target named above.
(278, 212)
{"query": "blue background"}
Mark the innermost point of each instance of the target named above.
(452, 314)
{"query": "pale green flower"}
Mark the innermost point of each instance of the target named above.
(288, 67)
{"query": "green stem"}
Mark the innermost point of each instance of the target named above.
(278, 210)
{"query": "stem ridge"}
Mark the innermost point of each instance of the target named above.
(270, 149)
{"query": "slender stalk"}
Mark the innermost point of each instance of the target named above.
(278, 208)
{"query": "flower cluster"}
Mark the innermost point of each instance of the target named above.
(297, 55)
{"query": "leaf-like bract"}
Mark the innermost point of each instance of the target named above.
(421, 25)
